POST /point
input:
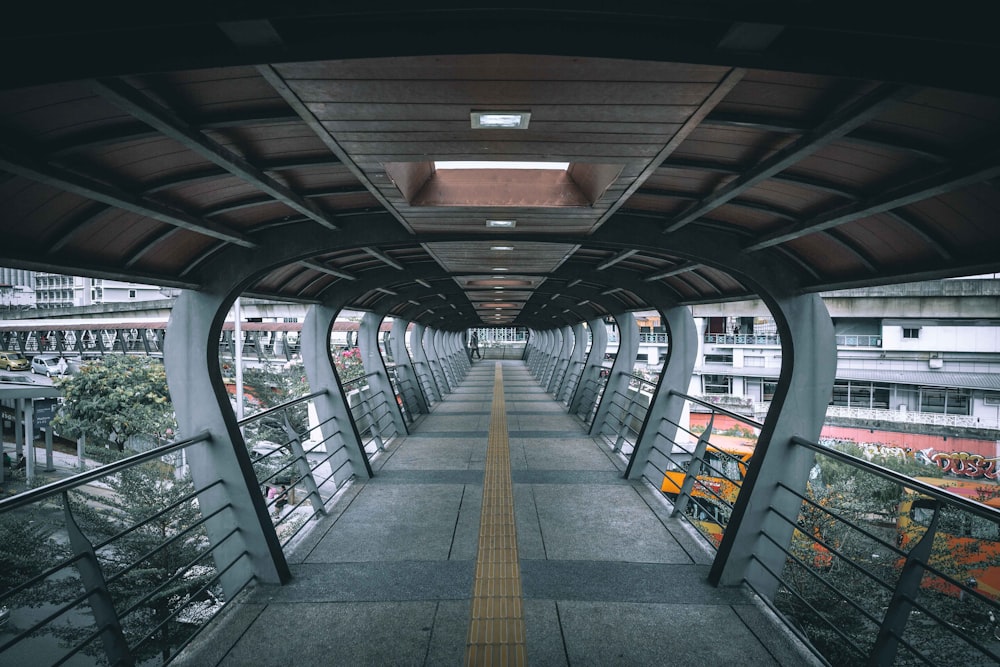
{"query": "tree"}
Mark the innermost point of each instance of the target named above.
(115, 398)
(825, 581)
(27, 549)
(136, 496)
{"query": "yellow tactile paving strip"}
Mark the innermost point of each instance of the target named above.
(496, 629)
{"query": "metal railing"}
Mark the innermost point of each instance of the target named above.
(568, 388)
(591, 392)
(371, 413)
(626, 414)
(407, 394)
(850, 340)
(426, 380)
(882, 569)
(116, 562)
(301, 461)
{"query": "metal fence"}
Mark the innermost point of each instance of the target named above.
(117, 561)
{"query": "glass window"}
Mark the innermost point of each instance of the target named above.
(717, 384)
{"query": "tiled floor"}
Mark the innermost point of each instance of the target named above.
(389, 578)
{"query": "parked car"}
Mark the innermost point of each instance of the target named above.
(13, 361)
(48, 366)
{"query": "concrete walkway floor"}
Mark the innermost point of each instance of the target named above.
(387, 579)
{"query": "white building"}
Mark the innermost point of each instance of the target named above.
(53, 290)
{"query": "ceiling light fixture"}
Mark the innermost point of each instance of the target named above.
(499, 120)
(501, 223)
(504, 165)
(500, 268)
(502, 247)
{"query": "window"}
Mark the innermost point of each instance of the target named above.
(719, 359)
(753, 361)
(945, 401)
(717, 384)
(909, 332)
(131, 294)
(860, 394)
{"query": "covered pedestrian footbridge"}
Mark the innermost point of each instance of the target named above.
(544, 168)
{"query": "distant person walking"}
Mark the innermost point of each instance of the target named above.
(474, 346)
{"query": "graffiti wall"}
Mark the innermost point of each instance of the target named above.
(968, 458)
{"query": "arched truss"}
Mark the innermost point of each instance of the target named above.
(716, 152)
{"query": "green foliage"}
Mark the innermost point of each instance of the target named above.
(152, 556)
(825, 579)
(26, 550)
(115, 398)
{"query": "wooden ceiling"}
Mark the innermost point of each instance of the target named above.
(734, 158)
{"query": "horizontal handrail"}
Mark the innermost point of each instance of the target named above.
(716, 408)
(279, 408)
(966, 505)
(79, 479)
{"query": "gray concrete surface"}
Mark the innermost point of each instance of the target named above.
(608, 578)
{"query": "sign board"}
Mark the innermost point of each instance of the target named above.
(44, 409)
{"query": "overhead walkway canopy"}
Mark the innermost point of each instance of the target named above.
(715, 151)
(678, 154)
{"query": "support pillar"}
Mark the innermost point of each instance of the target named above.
(406, 375)
(621, 369)
(660, 429)
(202, 405)
(378, 376)
(332, 411)
(808, 368)
(422, 364)
(590, 375)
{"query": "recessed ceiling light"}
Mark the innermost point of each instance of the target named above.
(502, 247)
(499, 120)
(500, 288)
(500, 268)
(501, 223)
(504, 165)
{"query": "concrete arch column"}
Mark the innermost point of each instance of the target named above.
(621, 369)
(332, 410)
(665, 410)
(530, 347)
(808, 369)
(438, 343)
(555, 348)
(562, 360)
(406, 375)
(432, 347)
(201, 404)
(374, 364)
(574, 367)
(458, 355)
(595, 364)
(422, 364)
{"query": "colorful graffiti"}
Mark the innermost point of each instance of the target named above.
(965, 464)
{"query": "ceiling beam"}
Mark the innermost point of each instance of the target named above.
(24, 166)
(165, 121)
(861, 136)
(954, 178)
(855, 114)
(621, 256)
(135, 131)
(280, 86)
(382, 257)
(719, 93)
(794, 179)
(323, 268)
